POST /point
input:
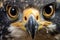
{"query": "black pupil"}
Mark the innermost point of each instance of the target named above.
(48, 10)
(13, 11)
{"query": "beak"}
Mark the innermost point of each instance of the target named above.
(32, 26)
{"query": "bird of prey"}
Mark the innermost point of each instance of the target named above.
(29, 20)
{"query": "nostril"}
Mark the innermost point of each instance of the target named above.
(37, 17)
(25, 18)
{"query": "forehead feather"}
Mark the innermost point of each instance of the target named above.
(37, 3)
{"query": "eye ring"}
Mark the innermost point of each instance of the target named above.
(7, 7)
(48, 11)
(12, 12)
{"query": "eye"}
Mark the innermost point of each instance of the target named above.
(48, 11)
(12, 12)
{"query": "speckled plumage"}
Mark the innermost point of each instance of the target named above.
(21, 5)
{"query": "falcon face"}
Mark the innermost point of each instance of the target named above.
(19, 16)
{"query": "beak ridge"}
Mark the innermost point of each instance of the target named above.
(32, 26)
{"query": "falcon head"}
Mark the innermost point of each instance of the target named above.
(28, 15)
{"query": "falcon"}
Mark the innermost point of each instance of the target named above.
(29, 19)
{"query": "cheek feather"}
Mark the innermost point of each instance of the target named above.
(51, 28)
(16, 32)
